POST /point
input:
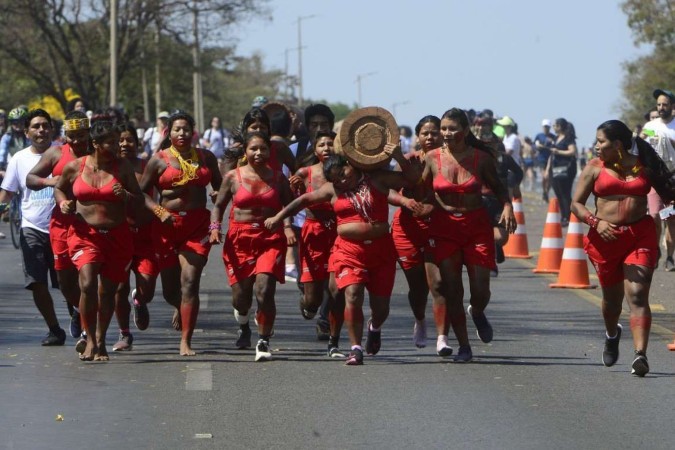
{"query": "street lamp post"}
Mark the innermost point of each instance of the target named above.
(395, 104)
(300, 19)
(358, 84)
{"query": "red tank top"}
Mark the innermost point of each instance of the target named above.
(606, 185)
(364, 204)
(323, 206)
(245, 199)
(471, 186)
(83, 192)
(171, 174)
(66, 157)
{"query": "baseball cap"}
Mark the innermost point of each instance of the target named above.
(506, 121)
(546, 123)
(163, 115)
(668, 94)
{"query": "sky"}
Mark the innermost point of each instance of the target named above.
(528, 59)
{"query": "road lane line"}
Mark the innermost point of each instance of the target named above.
(203, 301)
(199, 377)
(596, 300)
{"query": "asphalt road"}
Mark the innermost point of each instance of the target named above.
(539, 384)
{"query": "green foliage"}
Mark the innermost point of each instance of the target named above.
(652, 22)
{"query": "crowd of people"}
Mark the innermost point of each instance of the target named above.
(112, 196)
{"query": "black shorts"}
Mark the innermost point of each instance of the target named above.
(38, 259)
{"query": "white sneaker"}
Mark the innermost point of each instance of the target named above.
(420, 333)
(2, 235)
(262, 351)
(292, 275)
(670, 265)
(442, 347)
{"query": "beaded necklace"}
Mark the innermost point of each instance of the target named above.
(188, 166)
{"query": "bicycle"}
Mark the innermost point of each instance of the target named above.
(15, 220)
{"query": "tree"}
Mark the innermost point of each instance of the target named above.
(652, 23)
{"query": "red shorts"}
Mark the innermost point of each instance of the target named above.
(250, 248)
(410, 236)
(188, 233)
(111, 248)
(145, 258)
(469, 232)
(59, 227)
(371, 262)
(316, 242)
(636, 245)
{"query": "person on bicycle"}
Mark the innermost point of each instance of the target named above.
(15, 138)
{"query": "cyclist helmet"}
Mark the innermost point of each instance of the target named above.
(17, 114)
(259, 101)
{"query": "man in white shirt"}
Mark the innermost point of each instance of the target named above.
(660, 133)
(36, 210)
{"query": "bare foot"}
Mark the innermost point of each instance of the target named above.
(102, 353)
(176, 321)
(89, 352)
(185, 349)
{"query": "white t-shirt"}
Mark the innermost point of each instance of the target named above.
(299, 218)
(36, 206)
(512, 146)
(662, 141)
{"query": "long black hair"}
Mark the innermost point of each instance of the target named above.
(657, 171)
(459, 116)
(335, 160)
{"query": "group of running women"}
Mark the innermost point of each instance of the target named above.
(115, 213)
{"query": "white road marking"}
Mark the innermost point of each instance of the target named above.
(199, 377)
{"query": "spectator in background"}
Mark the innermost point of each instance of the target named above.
(512, 144)
(562, 166)
(528, 162)
(3, 121)
(77, 104)
(543, 143)
(154, 136)
(660, 133)
(214, 139)
(406, 139)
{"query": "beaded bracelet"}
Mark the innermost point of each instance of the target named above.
(215, 225)
(591, 220)
(159, 211)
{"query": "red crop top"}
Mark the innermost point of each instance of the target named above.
(606, 185)
(471, 186)
(66, 157)
(364, 204)
(84, 192)
(245, 199)
(172, 174)
(323, 206)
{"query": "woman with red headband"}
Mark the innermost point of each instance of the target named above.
(461, 232)
(621, 242)
(181, 173)
(99, 240)
(253, 256)
(76, 127)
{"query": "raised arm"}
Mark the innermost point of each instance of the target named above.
(38, 178)
(64, 185)
(324, 194)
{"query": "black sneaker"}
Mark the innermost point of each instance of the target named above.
(483, 327)
(355, 358)
(464, 354)
(373, 340)
(335, 352)
(141, 313)
(262, 351)
(499, 254)
(75, 325)
(244, 339)
(322, 330)
(640, 366)
(54, 338)
(611, 353)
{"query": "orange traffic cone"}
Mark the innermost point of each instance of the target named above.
(551, 251)
(516, 247)
(574, 266)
